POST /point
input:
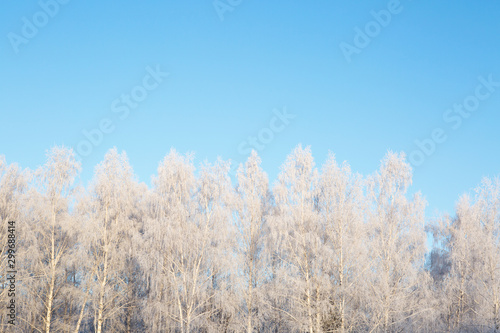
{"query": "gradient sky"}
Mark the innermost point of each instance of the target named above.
(228, 77)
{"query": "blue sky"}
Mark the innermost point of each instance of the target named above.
(228, 78)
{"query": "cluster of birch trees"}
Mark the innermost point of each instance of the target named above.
(322, 250)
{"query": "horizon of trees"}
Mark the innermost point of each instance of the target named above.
(321, 250)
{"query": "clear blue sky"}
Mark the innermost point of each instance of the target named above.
(227, 76)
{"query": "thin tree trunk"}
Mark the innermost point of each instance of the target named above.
(341, 278)
(308, 279)
(250, 300)
(386, 318)
(100, 311)
(318, 313)
(128, 321)
(82, 311)
(496, 322)
(181, 317)
(50, 295)
(309, 306)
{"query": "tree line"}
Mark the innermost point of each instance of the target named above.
(321, 250)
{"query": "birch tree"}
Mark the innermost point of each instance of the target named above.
(488, 205)
(170, 211)
(215, 204)
(253, 209)
(396, 247)
(191, 234)
(110, 213)
(341, 211)
(472, 242)
(461, 234)
(297, 231)
(50, 234)
(12, 184)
